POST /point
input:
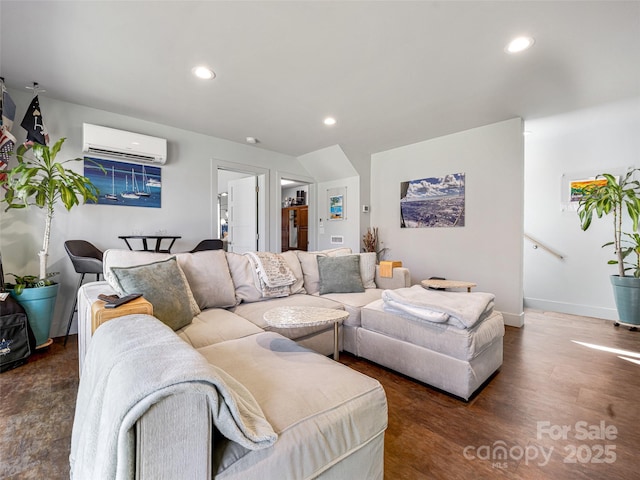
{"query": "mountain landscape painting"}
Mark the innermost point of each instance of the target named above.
(433, 202)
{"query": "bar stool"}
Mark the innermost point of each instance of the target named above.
(209, 244)
(86, 258)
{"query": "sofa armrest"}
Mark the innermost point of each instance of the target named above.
(401, 278)
(87, 294)
(174, 439)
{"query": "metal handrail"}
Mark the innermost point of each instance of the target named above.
(537, 244)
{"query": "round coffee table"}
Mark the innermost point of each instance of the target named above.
(292, 317)
(433, 283)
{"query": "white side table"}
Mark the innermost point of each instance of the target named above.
(433, 283)
(292, 317)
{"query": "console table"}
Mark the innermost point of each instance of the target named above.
(145, 245)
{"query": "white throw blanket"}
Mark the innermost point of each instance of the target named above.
(463, 310)
(272, 273)
(132, 363)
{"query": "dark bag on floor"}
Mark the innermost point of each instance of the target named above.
(17, 341)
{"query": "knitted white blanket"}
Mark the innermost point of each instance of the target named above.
(132, 363)
(463, 310)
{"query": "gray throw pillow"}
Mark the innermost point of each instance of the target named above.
(164, 285)
(340, 274)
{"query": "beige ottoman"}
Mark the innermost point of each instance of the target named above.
(452, 359)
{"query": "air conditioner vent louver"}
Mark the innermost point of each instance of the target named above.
(120, 144)
(128, 155)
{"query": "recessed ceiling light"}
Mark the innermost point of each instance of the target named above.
(203, 72)
(329, 121)
(252, 140)
(519, 44)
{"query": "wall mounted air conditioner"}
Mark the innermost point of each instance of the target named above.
(119, 144)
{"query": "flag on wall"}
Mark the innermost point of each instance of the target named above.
(8, 111)
(7, 141)
(34, 124)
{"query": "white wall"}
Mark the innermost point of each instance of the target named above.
(333, 170)
(189, 194)
(561, 148)
(349, 227)
(488, 249)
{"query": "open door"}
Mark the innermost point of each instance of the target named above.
(243, 215)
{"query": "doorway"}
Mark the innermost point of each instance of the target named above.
(294, 219)
(242, 210)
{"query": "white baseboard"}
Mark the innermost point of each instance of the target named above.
(570, 308)
(513, 319)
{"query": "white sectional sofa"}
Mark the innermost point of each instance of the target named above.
(329, 420)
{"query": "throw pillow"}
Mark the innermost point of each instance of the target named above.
(367, 268)
(164, 285)
(209, 278)
(310, 273)
(115, 257)
(340, 274)
(243, 278)
(291, 257)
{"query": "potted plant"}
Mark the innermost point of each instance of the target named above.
(617, 198)
(38, 180)
(370, 241)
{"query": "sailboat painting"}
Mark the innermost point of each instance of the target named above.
(125, 184)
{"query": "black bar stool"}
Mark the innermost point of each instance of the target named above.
(86, 258)
(209, 244)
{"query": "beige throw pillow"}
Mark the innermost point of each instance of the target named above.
(244, 278)
(292, 260)
(209, 278)
(309, 264)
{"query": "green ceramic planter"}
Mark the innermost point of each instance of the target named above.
(39, 304)
(626, 291)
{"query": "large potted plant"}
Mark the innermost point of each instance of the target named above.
(38, 180)
(620, 199)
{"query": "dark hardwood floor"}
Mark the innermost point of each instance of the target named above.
(548, 396)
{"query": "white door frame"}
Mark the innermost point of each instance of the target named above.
(312, 201)
(263, 196)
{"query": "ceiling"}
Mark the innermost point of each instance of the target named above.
(392, 73)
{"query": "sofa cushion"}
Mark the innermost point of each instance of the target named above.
(463, 344)
(335, 252)
(367, 268)
(309, 264)
(353, 303)
(321, 410)
(209, 278)
(292, 260)
(216, 325)
(243, 278)
(340, 274)
(115, 257)
(164, 285)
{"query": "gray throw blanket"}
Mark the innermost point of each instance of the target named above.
(462, 310)
(132, 363)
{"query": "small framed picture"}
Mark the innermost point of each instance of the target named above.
(577, 188)
(336, 207)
